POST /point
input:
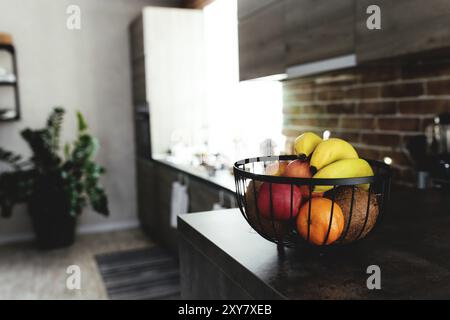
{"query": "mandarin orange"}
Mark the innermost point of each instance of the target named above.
(320, 221)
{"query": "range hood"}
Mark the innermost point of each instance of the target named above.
(306, 69)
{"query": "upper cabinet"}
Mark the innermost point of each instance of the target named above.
(276, 36)
(318, 30)
(261, 38)
(407, 26)
(248, 7)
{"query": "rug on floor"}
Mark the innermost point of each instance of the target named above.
(143, 274)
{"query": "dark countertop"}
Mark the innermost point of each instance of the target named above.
(222, 180)
(411, 246)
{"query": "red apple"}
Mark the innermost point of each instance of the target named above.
(299, 169)
(281, 201)
(276, 168)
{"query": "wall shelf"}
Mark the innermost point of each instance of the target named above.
(13, 113)
(8, 83)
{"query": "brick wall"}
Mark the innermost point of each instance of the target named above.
(376, 108)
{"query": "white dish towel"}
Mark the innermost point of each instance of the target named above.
(179, 202)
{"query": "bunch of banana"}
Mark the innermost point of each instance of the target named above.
(347, 168)
(305, 144)
(332, 158)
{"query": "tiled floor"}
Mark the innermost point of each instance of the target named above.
(27, 273)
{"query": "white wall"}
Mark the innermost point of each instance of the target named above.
(86, 70)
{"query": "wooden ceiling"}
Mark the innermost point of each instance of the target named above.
(196, 4)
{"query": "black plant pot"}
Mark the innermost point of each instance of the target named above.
(53, 225)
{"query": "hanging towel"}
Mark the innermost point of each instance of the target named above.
(179, 203)
(219, 205)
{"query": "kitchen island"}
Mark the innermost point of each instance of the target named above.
(221, 257)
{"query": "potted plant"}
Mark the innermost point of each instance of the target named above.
(55, 185)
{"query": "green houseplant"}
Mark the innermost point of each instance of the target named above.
(55, 185)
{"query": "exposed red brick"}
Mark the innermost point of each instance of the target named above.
(423, 106)
(398, 158)
(402, 90)
(302, 96)
(330, 95)
(378, 73)
(375, 139)
(371, 154)
(298, 85)
(314, 109)
(377, 108)
(351, 137)
(314, 122)
(292, 110)
(426, 122)
(425, 70)
(293, 133)
(399, 124)
(404, 175)
(369, 92)
(337, 108)
(440, 87)
(304, 109)
(358, 123)
(354, 120)
(337, 77)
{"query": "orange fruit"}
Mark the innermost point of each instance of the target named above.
(320, 221)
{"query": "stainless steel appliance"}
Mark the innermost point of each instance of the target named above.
(438, 150)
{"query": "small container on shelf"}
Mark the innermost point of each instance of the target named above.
(9, 93)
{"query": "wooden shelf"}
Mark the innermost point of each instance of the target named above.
(8, 83)
(12, 84)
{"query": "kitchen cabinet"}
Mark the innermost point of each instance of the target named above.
(261, 39)
(318, 30)
(201, 196)
(137, 38)
(147, 196)
(154, 182)
(248, 7)
(407, 27)
(154, 201)
(275, 35)
(160, 68)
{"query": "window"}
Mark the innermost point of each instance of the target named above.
(241, 114)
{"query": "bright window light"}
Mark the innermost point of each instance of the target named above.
(241, 114)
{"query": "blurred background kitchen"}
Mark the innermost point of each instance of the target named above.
(177, 91)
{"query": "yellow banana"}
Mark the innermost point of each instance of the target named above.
(306, 143)
(332, 150)
(348, 168)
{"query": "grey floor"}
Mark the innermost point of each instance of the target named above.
(27, 273)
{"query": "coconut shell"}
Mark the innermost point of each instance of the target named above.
(343, 198)
(277, 230)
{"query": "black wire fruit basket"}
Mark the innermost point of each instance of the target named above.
(291, 212)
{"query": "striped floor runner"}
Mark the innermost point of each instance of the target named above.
(143, 274)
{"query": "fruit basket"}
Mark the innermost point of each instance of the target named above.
(293, 211)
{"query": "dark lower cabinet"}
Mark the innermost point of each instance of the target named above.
(155, 181)
(198, 273)
(154, 190)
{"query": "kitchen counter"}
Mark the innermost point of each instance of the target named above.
(222, 179)
(223, 258)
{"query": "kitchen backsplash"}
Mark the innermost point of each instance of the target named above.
(375, 107)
